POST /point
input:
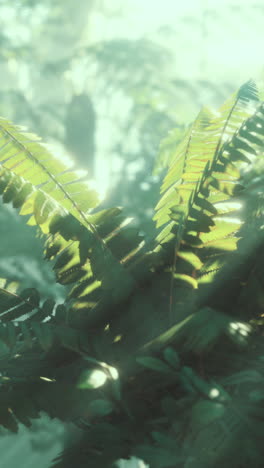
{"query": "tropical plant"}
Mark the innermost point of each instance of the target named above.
(157, 351)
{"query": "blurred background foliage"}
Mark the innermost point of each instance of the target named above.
(103, 82)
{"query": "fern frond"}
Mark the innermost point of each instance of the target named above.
(97, 246)
(201, 145)
(26, 322)
(24, 155)
(206, 195)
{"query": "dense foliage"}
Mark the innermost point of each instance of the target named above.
(157, 351)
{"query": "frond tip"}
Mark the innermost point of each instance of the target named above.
(24, 155)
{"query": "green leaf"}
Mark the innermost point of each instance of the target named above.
(154, 364)
(43, 207)
(172, 357)
(204, 204)
(192, 258)
(47, 307)
(188, 280)
(25, 156)
(205, 412)
(31, 295)
(61, 313)
(227, 244)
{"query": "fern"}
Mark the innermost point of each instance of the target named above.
(50, 202)
(22, 154)
(131, 355)
(208, 201)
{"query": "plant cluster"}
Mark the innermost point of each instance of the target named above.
(157, 351)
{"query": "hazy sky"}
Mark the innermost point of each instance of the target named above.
(216, 37)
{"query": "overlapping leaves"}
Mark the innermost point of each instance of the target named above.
(101, 258)
(90, 249)
(27, 321)
(199, 191)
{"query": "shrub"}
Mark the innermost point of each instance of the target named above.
(156, 351)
